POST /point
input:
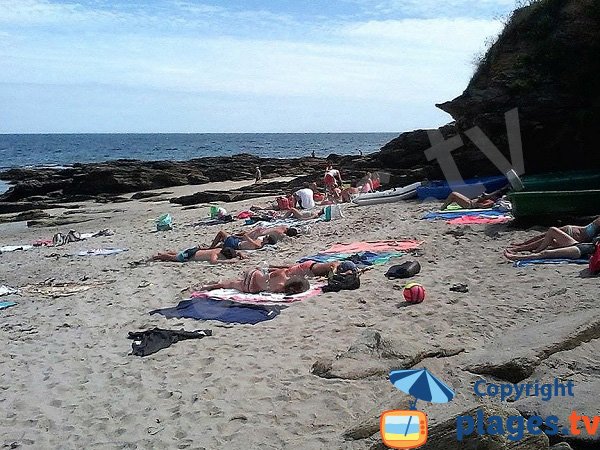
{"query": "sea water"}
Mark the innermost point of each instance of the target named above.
(22, 150)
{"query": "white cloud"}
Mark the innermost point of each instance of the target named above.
(436, 8)
(266, 59)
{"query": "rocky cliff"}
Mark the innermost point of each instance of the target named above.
(546, 63)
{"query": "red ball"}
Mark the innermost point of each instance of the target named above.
(414, 293)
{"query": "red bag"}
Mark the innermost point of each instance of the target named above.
(595, 260)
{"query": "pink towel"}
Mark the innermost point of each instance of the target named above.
(375, 247)
(470, 220)
(262, 298)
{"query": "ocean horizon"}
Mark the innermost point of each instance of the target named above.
(55, 149)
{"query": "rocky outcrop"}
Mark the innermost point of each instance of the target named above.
(545, 63)
(372, 355)
(508, 359)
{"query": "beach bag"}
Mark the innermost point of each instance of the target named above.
(404, 270)
(341, 282)
(333, 212)
(164, 223)
(595, 261)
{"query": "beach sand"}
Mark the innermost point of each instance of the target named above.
(68, 380)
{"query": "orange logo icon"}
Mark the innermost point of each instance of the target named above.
(403, 429)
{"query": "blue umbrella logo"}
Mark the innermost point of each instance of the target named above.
(422, 385)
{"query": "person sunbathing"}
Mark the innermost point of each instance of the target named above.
(241, 241)
(577, 251)
(316, 269)
(255, 281)
(566, 236)
(212, 255)
(280, 232)
(308, 269)
(484, 201)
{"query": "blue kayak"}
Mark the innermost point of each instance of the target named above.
(441, 189)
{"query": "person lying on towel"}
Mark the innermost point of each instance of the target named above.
(308, 269)
(577, 251)
(279, 232)
(242, 241)
(484, 201)
(212, 255)
(256, 280)
(566, 236)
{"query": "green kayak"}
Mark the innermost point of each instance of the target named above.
(555, 203)
(563, 181)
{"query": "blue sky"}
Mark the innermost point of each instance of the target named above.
(236, 66)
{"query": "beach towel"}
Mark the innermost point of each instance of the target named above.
(361, 259)
(530, 262)
(449, 215)
(279, 222)
(6, 290)
(222, 310)
(374, 246)
(4, 305)
(210, 221)
(150, 341)
(474, 220)
(101, 252)
(13, 248)
(262, 298)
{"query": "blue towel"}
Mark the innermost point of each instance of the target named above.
(4, 305)
(361, 259)
(530, 262)
(221, 310)
(449, 215)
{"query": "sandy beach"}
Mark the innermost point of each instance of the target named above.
(69, 382)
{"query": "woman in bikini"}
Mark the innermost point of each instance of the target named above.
(566, 236)
(577, 251)
(256, 280)
(243, 241)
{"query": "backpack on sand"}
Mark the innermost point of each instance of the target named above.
(340, 282)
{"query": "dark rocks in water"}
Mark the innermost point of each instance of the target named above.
(104, 182)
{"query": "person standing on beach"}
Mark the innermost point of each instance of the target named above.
(313, 154)
(331, 178)
(257, 175)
